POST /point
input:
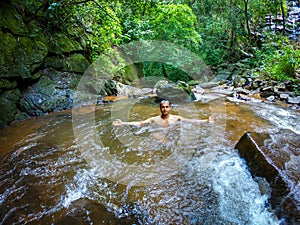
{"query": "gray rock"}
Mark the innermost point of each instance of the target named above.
(279, 166)
(271, 98)
(284, 96)
(53, 92)
(294, 100)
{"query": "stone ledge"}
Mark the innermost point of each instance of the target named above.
(262, 162)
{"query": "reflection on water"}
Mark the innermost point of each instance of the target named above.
(45, 180)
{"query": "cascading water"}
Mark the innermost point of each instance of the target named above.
(45, 180)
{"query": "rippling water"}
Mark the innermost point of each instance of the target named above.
(46, 177)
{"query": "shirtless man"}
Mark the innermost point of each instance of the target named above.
(164, 119)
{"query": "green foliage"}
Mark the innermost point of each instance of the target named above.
(162, 70)
(214, 30)
(103, 24)
(279, 59)
(176, 23)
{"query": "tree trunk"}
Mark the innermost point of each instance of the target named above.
(283, 15)
(247, 23)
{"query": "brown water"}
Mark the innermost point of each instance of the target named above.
(46, 177)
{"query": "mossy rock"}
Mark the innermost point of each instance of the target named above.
(53, 92)
(10, 19)
(8, 106)
(175, 92)
(55, 62)
(60, 43)
(29, 54)
(6, 84)
(76, 63)
(8, 43)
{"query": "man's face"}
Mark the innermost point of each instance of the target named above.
(165, 108)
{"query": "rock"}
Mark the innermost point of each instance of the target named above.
(293, 100)
(53, 92)
(61, 43)
(271, 98)
(76, 63)
(29, 54)
(130, 91)
(11, 20)
(284, 96)
(178, 92)
(266, 91)
(8, 106)
(266, 158)
(221, 76)
(198, 89)
(6, 84)
(241, 90)
(6, 53)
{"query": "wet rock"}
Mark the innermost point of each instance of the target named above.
(283, 96)
(271, 98)
(53, 92)
(83, 211)
(130, 91)
(267, 158)
(293, 100)
(266, 91)
(223, 75)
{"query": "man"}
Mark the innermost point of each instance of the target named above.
(165, 119)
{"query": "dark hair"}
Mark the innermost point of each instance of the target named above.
(164, 101)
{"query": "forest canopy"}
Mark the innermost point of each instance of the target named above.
(217, 31)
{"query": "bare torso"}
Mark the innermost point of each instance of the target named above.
(159, 120)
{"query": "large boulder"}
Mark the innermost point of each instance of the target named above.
(175, 92)
(53, 92)
(276, 158)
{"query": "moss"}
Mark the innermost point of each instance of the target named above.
(75, 63)
(55, 62)
(11, 20)
(6, 84)
(78, 63)
(7, 46)
(60, 43)
(8, 106)
(29, 54)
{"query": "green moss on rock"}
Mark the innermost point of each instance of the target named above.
(78, 63)
(29, 54)
(11, 20)
(8, 106)
(60, 43)
(7, 47)
(6, 84)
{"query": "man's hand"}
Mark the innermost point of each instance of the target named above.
(117, 122)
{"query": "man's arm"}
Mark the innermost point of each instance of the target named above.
(119, 122)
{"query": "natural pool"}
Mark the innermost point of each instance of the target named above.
(46, 177)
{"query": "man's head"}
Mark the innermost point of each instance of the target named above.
(165, 107)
